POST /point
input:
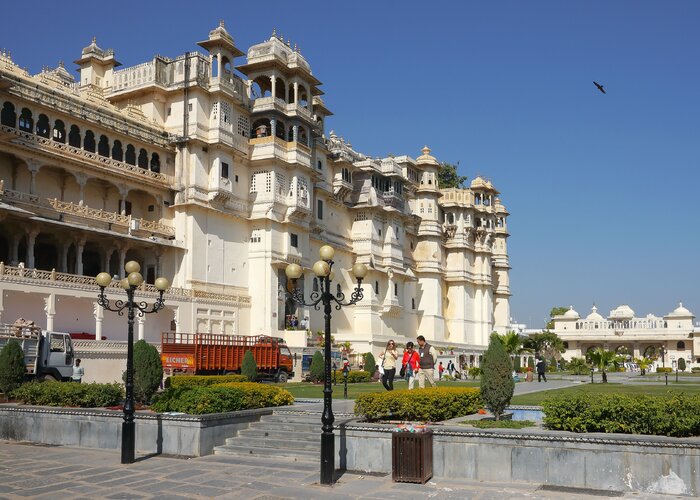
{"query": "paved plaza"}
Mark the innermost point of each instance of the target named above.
(51, 472)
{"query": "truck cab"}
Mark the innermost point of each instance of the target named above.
(47, 355)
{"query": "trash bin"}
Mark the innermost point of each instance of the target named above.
(412, 456)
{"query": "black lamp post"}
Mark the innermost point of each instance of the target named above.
(323, 269)
(130, 283)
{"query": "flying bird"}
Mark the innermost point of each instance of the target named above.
(600, 87)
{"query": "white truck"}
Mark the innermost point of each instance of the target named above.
(47, 355)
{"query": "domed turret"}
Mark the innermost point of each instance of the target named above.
(622, 312)
(571, 313)
(594, 316)
(680, 312)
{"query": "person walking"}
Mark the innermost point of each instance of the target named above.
(78, 372)
(450, 368)
(410, 364)
(440, 370)
(389, 357)
(428, 357)
(541, 369)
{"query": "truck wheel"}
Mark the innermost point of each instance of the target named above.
(48, 378)
(282, 377)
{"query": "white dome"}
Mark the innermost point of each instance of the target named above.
(681, 311)
(571, 313)
(622, 312)
(594, 316)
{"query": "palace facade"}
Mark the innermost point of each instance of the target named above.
(665, 339)
(218, 174)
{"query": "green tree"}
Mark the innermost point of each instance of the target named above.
(579, 366)
(317, 368)
(644, 364)
(497, 383)
(12, 367)
(547, 344)
(370, 363)
(474, 372)
(516, 364)
(681, 364)
(556, 311)
(148, 371)
(602, 359)
(531, 362)
(249, 368)
(449, 178)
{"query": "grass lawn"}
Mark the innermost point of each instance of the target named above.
(536, 398)
(307, 390)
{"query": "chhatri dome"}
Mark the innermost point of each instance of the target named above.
(594, 316)
(571, 313)
(622, 312)
(681, 312)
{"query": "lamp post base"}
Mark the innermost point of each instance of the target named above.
(128, 442)
(327, 458)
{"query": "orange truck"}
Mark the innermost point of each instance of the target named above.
(212, 354)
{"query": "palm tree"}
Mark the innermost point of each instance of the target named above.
(602, 359)
(513, 344)
(644, 364)
(578, 366)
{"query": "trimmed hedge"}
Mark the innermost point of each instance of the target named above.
(660, 369)
(354, 376)
(69, 394)
(202, 380)
(695, 369)
(677, 414)
(232, 396)
(433, 404)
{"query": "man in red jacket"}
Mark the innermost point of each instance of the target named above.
(410, 364)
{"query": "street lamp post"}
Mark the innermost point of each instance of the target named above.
(323, 269)
(130, 284)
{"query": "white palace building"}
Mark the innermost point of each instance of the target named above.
(663, 338)
(216, 173)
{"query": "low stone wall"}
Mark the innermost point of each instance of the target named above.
(182, 435)
(617, 462)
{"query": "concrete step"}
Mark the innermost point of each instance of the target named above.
(279, 435)
(291, 443)
(288, 427)
(248, 451)
(292, 418)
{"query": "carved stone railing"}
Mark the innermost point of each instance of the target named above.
(68, 207)
(19, 274)
(115, 165)
(103, 346)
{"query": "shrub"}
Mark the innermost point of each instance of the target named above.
(676, 415)
(316, 370)
(578, 366)
(516, 364)
(447, 377)
(354, 376)
(681, 364)
(249, 368)
(660, 369)
(231, 396)
(433, 404)
(202, 380)
(474, 372)
(12, 366)
(370, 363)
(531, 362)
(148, 371)
(695, 369)
(497, 383)
(67, 394)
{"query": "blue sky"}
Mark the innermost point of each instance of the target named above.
(602, 188)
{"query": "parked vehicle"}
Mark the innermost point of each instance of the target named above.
(47, 355)
(212, 354)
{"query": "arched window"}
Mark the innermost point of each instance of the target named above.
(301, 136)
(59, 132)
(376, 287)
(279, 129)
(215, 66)
(680, 346)
(130, 155)
(74, 136)
(89, 141)
(155, 162)
(290, 134)
(26, 122)
(103, 146)
(8, 116)
(143, 159)
(43, 128)
(117, 152)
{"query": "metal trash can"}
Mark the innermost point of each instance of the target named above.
(412, 456)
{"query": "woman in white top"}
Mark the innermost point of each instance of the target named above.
(388, 358)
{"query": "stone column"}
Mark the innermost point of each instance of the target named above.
(63, 257)
(635, 350)
(81, 180)
(79, 247)
(296, 93)
(33, 166)
(273, 81)
(141, 320)
(106, 257)
(122, 260)
(31, 239)
(295, 132)
(98, 313)
(1, 305)
(273, 127)
(50, 310)
(14, 249)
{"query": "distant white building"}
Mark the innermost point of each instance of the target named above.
(666, 338)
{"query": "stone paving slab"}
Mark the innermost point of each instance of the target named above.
(237, 478)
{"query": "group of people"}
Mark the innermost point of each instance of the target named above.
(416, 364)
(450, 369)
